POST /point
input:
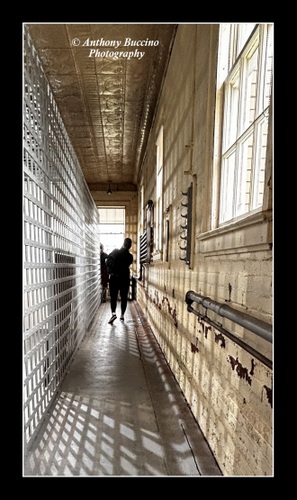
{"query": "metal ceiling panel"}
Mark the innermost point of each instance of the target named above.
(106, 80)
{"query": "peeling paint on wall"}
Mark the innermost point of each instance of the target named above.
(172, 310)
(194, 348)
(241, 371)
(220, 338)
(268, 392)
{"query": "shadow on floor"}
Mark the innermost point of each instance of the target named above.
(119, 411)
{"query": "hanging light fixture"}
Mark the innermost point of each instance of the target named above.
(109, 191)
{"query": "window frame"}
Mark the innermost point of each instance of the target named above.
(158, 211)
(241, 138)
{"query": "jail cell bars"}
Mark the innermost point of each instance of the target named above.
(61, 265)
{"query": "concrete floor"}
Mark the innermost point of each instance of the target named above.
(119, 411)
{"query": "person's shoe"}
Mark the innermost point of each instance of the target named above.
(113, 317)
(122, 318)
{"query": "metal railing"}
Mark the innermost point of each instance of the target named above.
(260, 328)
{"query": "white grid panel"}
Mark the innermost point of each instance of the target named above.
(61, 264)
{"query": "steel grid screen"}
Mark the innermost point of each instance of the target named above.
(61, 262)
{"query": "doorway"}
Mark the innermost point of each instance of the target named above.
(111, 227)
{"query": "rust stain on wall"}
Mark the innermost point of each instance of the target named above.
(201, 323)
(194, 348)
(241, 371)
(268, 391)
(220, 338)
(172, 311)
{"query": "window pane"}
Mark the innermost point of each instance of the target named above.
(249, 90)
(260, 160)
(159, 190)
(112, 215)
(244, 176)
(267, 69)
(227, 187)
(111, 227)
(244, 31)
(231, 111)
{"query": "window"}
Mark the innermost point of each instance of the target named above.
(111, 227)
(244, 79)
(141, 207)
(159, 193)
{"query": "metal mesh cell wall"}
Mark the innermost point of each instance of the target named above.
(61, 265)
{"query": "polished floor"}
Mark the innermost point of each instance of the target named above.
(119, 411)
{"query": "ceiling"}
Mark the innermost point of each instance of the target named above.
(107, 104)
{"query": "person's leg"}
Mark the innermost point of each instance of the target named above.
(113, 290)
(124, 290)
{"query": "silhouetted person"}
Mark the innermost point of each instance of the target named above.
(104, 273)
(118, 266)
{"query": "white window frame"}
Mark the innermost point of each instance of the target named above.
(244, 86)
(158, 240)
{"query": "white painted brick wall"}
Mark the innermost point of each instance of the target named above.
(231, 407)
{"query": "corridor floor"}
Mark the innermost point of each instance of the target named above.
(119, 411)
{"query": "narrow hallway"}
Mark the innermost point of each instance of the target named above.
(119, 411)
(161, 133)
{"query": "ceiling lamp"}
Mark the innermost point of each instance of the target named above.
(109, 191)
